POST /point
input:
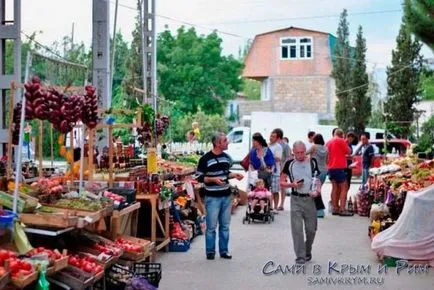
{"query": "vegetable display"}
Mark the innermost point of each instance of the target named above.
(86, 264)
(80, 204)
(52, 255)
(19, 268)
(128, 246)
(139, 283)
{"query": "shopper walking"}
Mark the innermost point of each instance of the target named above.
(262, 159)
(337, 162)
(286, 155)
(320, 153)
(214, 171)
(367, 156)
(298, 175)
(277, 151)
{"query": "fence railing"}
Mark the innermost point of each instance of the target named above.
(189, 147)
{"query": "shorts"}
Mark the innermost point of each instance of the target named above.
(337, 175)
(275, 183)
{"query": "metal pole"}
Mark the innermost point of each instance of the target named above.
(154, 68)
(112, 67)
(142, 33)
(83, 130)
(21, 139)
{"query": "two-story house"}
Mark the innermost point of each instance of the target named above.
(294, 67)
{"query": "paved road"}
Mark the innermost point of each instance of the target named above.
(343, 240)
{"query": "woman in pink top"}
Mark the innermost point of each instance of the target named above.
(259, 194)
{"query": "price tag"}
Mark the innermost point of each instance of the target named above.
(88, 219)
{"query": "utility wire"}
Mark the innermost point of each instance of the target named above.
(304, 17)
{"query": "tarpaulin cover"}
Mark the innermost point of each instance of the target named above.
(412, 236)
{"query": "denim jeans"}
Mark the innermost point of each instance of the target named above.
(365, 175)
(218, 209)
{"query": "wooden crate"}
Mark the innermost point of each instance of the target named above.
(61, 264)
(144, 243)
(75, 278)
(4, 280)
(25, 281)
(54, 220)
(95, 254)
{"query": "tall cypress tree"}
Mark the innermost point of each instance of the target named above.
(419, 15)
(403, 88)
(342, 74)
(360, 100)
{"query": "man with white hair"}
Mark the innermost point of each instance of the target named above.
(298, 174)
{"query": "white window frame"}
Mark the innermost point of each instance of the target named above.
(298, 46)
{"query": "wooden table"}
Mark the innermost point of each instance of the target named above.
(115, 220)
(155, 217)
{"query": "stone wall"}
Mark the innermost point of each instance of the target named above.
(313, 94)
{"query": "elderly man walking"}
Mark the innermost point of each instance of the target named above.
(214, 171)
(302, 172)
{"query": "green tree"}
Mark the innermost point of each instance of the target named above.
(252, 89)
(426, 140)
(419, 15)
(193, 71)
(121, 54)
(342, 74)
(427, 85)
(403, 88)
(361, 101)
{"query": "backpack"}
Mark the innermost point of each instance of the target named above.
(313, 166)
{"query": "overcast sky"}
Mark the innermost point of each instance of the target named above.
(245, 18)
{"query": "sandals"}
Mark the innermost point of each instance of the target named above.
(280, 208)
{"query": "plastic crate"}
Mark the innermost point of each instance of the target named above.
(129, 194)
(179, 246)
(113, 277)
(150, 271)
(6, 220)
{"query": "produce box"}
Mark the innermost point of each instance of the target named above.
(129, 194)
(179, 246)
(22, 282)
(25, 203)
(117, 277)
(150, 271)
(143, 245)
(75, 278)
(55, 220)
(103, 259)
(4, 280)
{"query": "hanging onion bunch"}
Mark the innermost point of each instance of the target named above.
(145, 134)
(89, 114)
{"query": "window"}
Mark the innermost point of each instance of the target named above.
(296, 47)
(236, 137)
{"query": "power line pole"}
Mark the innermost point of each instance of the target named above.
(147, 18)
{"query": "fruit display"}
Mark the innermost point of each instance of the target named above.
(86, 264)
(52, 255)
(79, 204)
(47, 186)
(128, 246)
(114, 197)
(107, 249)
(5, 255)
(19, 268)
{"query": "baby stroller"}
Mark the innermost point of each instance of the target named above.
(253, 214)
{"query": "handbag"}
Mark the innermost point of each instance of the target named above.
(245, 163)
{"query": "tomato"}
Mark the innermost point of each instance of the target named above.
(13, 264)
(41, 249)
(26, 266)
(4, 254)
(88, 268)
(2, 271)
(98, 269)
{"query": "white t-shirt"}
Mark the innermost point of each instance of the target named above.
(277, 153)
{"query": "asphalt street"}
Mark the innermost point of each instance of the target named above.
(342, 259)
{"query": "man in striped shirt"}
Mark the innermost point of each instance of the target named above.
(214, 171)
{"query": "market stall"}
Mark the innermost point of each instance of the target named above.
(398, 200)
(57, 229)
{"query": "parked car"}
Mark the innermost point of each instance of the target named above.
(393, 149)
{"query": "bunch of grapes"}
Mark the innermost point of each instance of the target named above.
(145, 134)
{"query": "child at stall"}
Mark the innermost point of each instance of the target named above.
(196, 130)
(259, 194)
